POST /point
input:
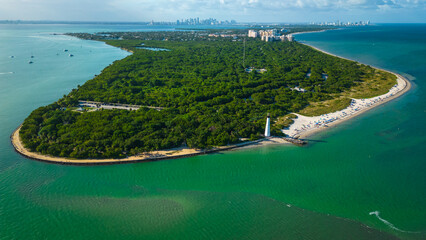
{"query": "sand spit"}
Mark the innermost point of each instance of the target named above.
(145, 157)
(304, 126)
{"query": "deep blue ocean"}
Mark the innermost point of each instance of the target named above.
(374, 163)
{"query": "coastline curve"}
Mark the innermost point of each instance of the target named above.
(145, 157)
(406, 86)
(187, 152)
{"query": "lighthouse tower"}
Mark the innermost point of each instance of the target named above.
(268, 127)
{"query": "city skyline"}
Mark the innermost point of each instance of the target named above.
(247, 11)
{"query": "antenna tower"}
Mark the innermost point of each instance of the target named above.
(244, 53)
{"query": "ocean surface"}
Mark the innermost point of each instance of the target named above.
(365, 179)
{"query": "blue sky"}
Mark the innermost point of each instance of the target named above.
(241, 10)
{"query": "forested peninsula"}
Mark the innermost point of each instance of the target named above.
(207, 91)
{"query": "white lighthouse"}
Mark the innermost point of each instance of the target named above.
(268, 127)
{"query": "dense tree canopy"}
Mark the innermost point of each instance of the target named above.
(209, 98)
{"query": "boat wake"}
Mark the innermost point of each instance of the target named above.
(389, 224)
(2, 73)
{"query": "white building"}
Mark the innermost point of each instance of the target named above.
(273, 32)
(268, 127)
(252, 34)
(270, 35)
(267, 38)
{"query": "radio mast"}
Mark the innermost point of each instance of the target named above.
(244, 54)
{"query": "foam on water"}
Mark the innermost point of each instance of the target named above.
(409, 77)
(377, 214)
(2, 73)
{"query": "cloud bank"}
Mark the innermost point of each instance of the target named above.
(242, 10)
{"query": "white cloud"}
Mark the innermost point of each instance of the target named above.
(142, 10)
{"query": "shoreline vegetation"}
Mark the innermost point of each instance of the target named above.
(361, 105)
(144, 157)
(304, 126)
(402, 86)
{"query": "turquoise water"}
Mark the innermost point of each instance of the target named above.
(323, 191)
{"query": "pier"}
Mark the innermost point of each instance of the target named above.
(295, 141)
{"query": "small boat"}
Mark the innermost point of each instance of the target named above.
(65, 50)
(30, 62)
(12, 56)
(71, 55)
(32, 56)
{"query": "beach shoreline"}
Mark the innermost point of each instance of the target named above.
(144, 157)
(403, 86)
(311, 132)
(316, 31)
(188, 152)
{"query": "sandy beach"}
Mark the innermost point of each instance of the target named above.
(151, 156)
(297, 33)
(304, 126)
(156, 155)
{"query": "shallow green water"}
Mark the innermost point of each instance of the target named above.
(323, 191)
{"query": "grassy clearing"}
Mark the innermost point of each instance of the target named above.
(320, 108)
(374, 83)
(285, 121)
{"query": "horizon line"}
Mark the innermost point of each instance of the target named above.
(174, 22)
